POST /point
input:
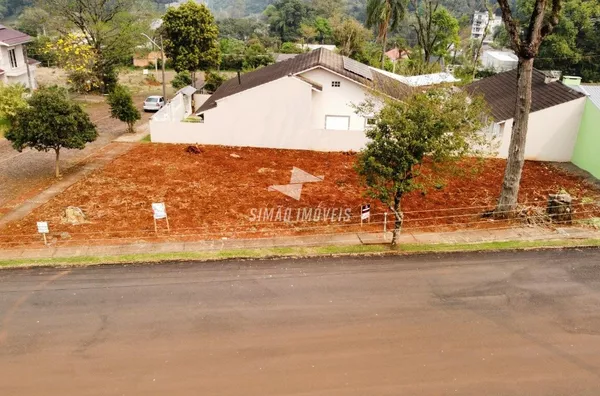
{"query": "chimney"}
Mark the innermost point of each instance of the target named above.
(239, 77)
(571, 81)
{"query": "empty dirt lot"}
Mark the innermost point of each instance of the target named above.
(221, 191)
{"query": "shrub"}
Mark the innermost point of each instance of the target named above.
(122, 107)
(182, 79)
(213, 80)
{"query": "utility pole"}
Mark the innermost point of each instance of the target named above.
(162, 56)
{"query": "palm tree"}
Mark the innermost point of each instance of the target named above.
(386, 15)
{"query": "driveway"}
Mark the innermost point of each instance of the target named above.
(465, 324)
(24, 174)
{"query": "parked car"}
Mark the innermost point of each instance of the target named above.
(154, 103)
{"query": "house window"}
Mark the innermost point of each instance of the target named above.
(13, 58)
(497, 130)
(370, 121)
(337, 123)
(336, 84)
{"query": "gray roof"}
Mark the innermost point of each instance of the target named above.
(188, 91)
(318, 58)
(593, 93)
(500, 92)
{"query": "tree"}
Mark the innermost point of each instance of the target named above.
(256, 55)
(350, 36)
(525, 41)
(122, 107)
(77, 58)
(11, 100)
(432, 129)
(436, 29)
(308, 33)
(328, 8)
(285, 18)
(241, 29)
(191, 40)
(111, 28)
(51, 121)
(213, 81)
(181, 79)
(290, 48)
(385, 14)
(323, 29)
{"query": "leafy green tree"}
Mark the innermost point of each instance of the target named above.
(232, 53)
(385, 15)
(181, 79)
(350, 36)
(51, 121)
(435, 128)
(256, 55)
(191, 38)
(328, 8)
(122, 107)
(35, 21)
(525, 41)
(241, 28)
(12, 98)
(323, 29)
(213, 81)
(435, 27)
(112, 28)
(285, 18)
(290, 48)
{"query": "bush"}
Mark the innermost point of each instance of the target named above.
(213, 80)
(290, 48)
(122, 107)
(182, 79)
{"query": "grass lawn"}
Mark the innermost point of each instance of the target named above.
(224, 192)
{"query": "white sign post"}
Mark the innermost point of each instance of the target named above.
(43, 229)
(365, 213)
(160, 212)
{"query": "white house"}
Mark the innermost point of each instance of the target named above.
(556, 113)
(13, 62)
(499, 61)
(306, 102)
(480, 21)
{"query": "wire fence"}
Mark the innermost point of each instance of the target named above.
(476, 218)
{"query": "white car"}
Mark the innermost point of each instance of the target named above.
(154, 103)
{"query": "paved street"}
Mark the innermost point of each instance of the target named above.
(523, 323)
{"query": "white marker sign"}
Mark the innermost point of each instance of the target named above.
(159, 210)
(42, 227)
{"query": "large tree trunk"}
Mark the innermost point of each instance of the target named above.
(507, 202)
(399, 218)
(56, 165)
(383, 45)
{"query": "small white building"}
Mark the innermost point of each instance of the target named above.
(13, 62)
(499, 61)
(480, 21)
(306, 102)
(556, 113)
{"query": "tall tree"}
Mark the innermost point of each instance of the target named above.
(191, 38)
(112, 28)
(51, 121)
(431, 129)
(350, 36)
(525, 41)
(285, 18)
(435, 27)
(386, 15)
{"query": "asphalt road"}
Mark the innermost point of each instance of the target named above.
(479, 324)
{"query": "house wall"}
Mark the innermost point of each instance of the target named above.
(587, 149)
(335, 100)
(552, 133)
(286, 113)
(21, 78)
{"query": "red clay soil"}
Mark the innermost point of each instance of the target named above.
(212, 195)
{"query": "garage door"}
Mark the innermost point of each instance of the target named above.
(338, 123)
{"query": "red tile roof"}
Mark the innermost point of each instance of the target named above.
(9, 36)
